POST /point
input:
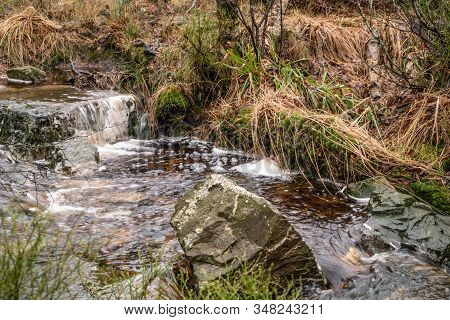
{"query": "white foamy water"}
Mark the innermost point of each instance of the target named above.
(222, 152)
(105, 120)
(264, 168)
(58, 199)
(359, 200)
(126, 148)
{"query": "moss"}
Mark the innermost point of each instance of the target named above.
(428, 152)
(171, 107)
(436, 195)
(446, 165)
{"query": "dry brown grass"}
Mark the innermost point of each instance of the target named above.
(337, 39)
(29, 37)
(425, 122)
(308, 140)
(339, 46)
(80, 12)
(328, 40)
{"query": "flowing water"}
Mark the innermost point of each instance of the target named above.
(125, 207)
(97, 116)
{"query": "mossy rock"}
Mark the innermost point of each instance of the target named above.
(436, 195)
(171, 106)
(27, 73)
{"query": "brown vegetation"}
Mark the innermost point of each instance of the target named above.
(29, 37)
(337, 82)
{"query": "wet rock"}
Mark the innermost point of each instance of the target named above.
(372, 244)
(368, 188)
(27, 74)
(33, 127)
(21, 189)
(330, 184)
(78, 156)
(390, 202)
(220, 225)
(399, 220)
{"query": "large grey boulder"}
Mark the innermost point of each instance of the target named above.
(397, 217)
(220, 225)
(27, 74)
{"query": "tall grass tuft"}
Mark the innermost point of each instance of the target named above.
(30, 37)
(423, 128)
(36, 261)
(250, 282)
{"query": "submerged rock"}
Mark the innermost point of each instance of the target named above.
(78, 156)
(220, 225)
(20, 189)
(330, 184)
(27, 74)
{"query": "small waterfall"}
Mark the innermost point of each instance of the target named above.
(104, 120)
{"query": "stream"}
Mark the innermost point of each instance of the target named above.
(125, 207)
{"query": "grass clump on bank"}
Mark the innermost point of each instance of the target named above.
(29, 37)
(313, 126)
(251, 282)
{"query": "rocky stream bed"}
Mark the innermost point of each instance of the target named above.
(86, 167)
